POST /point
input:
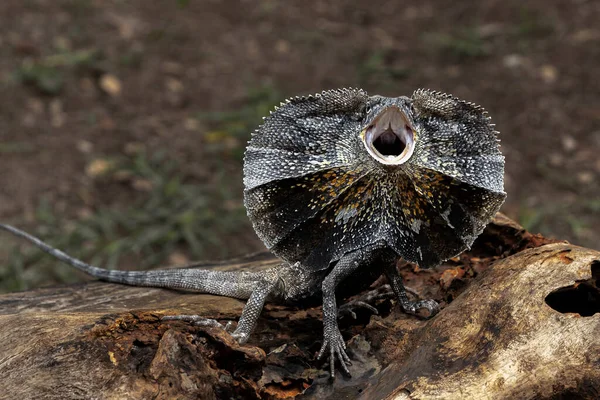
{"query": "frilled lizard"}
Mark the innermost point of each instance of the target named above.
(339, 185)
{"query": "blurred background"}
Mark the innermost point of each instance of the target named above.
(123, 123)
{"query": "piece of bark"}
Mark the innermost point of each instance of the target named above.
(502, 339)
(520, 319)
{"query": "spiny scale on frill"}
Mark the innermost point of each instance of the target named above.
(460, 140)
(313, 194)
(304, 135)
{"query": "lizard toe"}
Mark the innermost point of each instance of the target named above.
(382, 292)
(241, 337)
(431, 306)
(334, 342)
(194, 319)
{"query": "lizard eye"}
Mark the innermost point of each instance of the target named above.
(412, 110)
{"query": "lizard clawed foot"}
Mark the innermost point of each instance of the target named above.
(334, 342)
(382, 292)
(413, 307)
(201, 321)
(239, 334)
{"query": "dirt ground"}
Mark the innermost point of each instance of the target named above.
(112, 111)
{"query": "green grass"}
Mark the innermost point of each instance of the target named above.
(533, 24)
(16, 147)
(78, 8)
(48, 74)
(131, 58)
(530, 28)
(231, 129)
(376, 71)
(530, 218)
(175, 215)
(563, 221)
(460, 45)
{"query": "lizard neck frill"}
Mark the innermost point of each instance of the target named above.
(389, 139)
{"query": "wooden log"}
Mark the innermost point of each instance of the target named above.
(520, 319)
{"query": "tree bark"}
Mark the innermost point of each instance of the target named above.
(520, 319)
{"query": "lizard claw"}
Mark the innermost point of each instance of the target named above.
(382, 292)
(334, 342)
(241, 337)
(348, 308)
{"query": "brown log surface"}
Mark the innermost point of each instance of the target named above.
(520, 319)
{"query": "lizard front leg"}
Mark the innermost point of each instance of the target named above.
(247, 322)
(253, 308)
(332, 337)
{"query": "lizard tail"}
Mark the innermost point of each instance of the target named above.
(224, 283)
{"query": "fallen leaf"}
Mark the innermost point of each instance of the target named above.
(282, 46)
(97, 168)
(174, 85)
(172, 67)
(133, 148)
(585, 177)
(569, 143)
(57, 116)
(191, 124)
(549, 73)
(123, 176)
(85, 147)
(143, 185)
(110, 84)
(449, 275)
(178, 258)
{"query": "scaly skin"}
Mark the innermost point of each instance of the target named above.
(339, 185)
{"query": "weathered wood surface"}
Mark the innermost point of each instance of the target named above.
(520, 319)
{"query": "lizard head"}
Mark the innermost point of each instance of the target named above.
(388, 131)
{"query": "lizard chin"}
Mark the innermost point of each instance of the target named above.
(389, 139)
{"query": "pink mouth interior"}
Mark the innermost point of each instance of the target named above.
(390, 138)
(389, 144)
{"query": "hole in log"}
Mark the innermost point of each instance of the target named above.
(596, 272)
(582, 298)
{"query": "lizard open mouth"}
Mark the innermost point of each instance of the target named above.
(390, 138)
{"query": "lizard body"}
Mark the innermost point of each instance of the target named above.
(339, 185)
